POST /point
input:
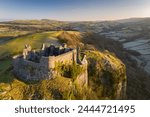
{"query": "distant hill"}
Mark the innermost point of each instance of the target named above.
(5, 20)
(132, 20)
(97, 38)
(35, 22)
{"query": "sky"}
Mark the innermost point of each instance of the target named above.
(74, 10)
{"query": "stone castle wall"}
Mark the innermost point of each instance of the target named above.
(68, 58)
(28, 70)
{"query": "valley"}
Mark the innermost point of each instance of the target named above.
(128, 40)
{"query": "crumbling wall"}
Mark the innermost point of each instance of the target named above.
(28, 70)
(68, 58)
(31, 71)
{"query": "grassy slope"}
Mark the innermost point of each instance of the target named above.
(49, 89)
(104, 78)
(5, 71)
(137, 80)
(114, 70)
(6, 31)
(20, 90)
(16, 46)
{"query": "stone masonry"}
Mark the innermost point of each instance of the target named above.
(34, 65)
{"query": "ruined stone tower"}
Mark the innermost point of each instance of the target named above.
(37, 65)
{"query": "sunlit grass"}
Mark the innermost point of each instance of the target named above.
(16, 46)
(5, 71)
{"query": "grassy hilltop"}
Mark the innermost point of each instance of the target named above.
(59, 88)
(102, 42)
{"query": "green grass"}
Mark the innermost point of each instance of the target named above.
(104, 78)
(16, 46)
(4, 65)
(10, 33)
(58, 88)
(5, 71)
(69, 71)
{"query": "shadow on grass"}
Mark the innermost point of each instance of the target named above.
(6, 75)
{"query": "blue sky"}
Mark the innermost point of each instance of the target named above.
(74, 10)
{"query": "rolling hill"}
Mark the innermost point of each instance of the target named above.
(126, 39)
(12, 88)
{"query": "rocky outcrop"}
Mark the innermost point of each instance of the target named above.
(82, 79)
(107, 75)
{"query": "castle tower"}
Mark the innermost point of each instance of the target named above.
(25, 53)
(41, 64)
(26, 50)
(28, 47)
(43, 47)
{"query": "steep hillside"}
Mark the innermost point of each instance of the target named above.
(107, 74)
(72, 38)
(107, 63)
(137, 79)
(107, 80)
(127, 39)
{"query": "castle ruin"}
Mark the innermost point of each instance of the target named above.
(35, 65)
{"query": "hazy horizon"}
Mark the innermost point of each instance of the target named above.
(74, 10)
(3, 20)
